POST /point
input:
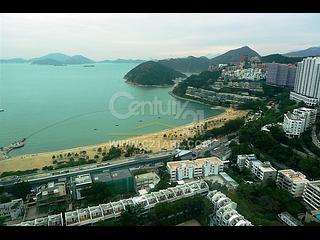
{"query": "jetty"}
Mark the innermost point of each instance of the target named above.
(5, 150)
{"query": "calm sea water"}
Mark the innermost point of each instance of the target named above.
(68, 106)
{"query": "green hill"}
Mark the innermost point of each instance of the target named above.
(278, 58)
(190, 64)
(203, 80)
(152, 73)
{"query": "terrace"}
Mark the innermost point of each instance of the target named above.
(84, 214)
(71, 218)
(95, 212)
(41, 221)
(107, 209)
(55, 220)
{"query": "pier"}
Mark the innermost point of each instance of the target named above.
(5, 150)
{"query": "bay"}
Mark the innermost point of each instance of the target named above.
(58, 107)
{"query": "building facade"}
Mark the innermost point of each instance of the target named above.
(311, 194)
(145, 181)
(291, 181)
(224, 211)
(262, 170)
(79, 184)
(91, 215)
(188, 169)
(282, 75)
(13, 209)
(294, 124)
(307, 81)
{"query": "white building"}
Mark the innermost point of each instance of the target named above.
(90, 215)
(291, 181)
(294, 124)
(146, 181)
(307, 82)
(80, 183)
(13, 209)
(262, 170)
(189, 169)
(244, 160)
(311, 194)
(288, 219)
(224, 211)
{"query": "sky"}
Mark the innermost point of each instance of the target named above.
(101, 36)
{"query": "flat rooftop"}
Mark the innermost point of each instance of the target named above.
(292, 175)
(198, 162)
(264, 166)
(83, 179)
(147, 175)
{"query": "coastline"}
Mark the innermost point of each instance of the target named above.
(148, 86)
(193, 100)
(165, 139)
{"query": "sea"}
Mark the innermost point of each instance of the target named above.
(59, 107)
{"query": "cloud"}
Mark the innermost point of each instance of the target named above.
(108, 36)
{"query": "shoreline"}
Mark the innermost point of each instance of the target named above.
(193, 100)
(148, 86)
(156, 142)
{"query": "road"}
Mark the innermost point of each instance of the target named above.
(37, 179)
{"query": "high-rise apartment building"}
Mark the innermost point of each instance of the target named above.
(307, 82)
(281, 75)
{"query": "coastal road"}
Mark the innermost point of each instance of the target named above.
(37, 179)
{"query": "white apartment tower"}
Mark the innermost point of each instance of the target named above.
(294, 124)
(291, 181)
(307, 82)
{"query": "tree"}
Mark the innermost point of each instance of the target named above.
(132, 216)
(207, 153)
(20, 190)
(98, 193)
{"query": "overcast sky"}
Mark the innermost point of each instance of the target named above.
(110, 36)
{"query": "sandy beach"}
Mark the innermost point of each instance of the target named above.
(163, 140)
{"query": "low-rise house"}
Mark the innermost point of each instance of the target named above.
(288, 219)
(291, 181)
(79, 184)
(146, 181)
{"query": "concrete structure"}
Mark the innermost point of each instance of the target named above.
(51, 194)
(13, 209)
(224, 211)
(245, 160)
(288, 219)
(188, 169)
(80, 183)
(291, 181)
(262, 170)
(229, 181)
(311, 194)
(213, 96)
(294, 124)
(110, 210)
(282, 75)
(119, 181)
(146, 181)
(307, 82)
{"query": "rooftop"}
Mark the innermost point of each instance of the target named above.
(263, 166)
(229, 179)
(292, 175)
(147, 175)
(197, 163)
(83, 179)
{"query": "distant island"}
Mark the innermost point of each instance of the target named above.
(119, 60)
(152, 74)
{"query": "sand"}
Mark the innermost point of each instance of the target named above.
(156, 142)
